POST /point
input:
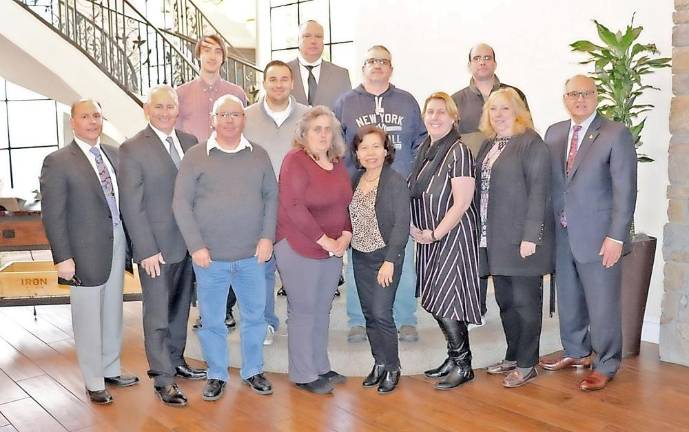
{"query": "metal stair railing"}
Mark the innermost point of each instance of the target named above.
(127, 47)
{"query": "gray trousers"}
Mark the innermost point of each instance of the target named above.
(97, 320)
(588, 302)
(166, 301)
(310, 285)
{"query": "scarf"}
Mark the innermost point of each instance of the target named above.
(433, 154)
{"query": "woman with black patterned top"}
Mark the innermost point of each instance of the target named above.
(516, 234)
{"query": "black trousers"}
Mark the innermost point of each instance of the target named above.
(520, 299)
(376, 304)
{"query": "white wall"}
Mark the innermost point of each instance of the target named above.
(430, 41)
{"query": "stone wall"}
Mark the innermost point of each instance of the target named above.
(674, 320)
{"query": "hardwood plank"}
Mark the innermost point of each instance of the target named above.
(66, 408)
(15, 365)
(9, 390)
(8, 428)
(3, 421)
(38, 325)
(27, 416)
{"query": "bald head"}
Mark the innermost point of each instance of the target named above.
(580, 98)
(482, 63)
(87, 120)
(311, 40)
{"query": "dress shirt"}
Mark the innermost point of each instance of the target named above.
(85, 147)
(582, 133)
(213, 143)
(163, 137)
(278, 117)
(316, 71)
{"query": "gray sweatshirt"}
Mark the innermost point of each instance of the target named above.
(225, 202)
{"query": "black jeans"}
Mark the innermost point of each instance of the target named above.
(520, 299)
(376, 304)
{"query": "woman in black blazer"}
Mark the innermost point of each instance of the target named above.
(516, 232)
(380, 229)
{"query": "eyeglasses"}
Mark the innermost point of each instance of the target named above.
(577, 94)
(380, 61)
(228, 115)
(478, 58)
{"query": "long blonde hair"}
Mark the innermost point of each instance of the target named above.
(522, 120)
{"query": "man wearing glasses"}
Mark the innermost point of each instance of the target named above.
(377, 102)
(594, 194)
(316, 81)
(225, 204)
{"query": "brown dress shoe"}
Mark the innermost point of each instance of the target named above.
(595, 381)
(515, 379)
(565, 362)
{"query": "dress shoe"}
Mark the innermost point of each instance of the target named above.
(595, 381)
(319, 386)
(171, 395)
(565, 362)
(515, 379)
(188, 372)
(99, 397)
(408, 333)
(502, 367)
(389, 381)
(213, 389)
(122, 380)
(259, 384)
(357, 334)
(375, 376)
(334, 377)
(441, 370)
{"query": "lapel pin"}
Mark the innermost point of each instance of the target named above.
(591, 136)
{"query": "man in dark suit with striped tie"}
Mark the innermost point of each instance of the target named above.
(80, 212)
(148, 168)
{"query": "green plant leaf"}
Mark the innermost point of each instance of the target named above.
(584, 45)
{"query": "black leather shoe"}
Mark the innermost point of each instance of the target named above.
(375, 376)
(171, 395)
(389, 381)
(319, 386)
(334, 377)
(259, 384)
(122, 380)
(441, 370)
(213, 389)
(99, 397)
(188, 372)
(281, 291)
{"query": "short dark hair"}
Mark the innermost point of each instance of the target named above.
(216, 38)
(276, 63)
(375, 130)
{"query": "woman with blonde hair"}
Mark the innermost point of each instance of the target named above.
(516, 233)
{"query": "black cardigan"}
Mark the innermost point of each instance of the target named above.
(392, 211)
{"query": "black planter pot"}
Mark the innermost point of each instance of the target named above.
(637, 267)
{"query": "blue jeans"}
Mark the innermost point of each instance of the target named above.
(404, 308)
(247, 277)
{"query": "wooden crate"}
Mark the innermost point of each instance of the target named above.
(38, 280)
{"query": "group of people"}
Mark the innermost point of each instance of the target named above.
(427, 203)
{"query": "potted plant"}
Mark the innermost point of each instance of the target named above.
(620, 63)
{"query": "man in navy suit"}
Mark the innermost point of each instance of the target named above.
(594, 195)
(148, 168)
(80, 212)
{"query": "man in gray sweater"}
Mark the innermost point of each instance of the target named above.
(225, 204)
(271, 123)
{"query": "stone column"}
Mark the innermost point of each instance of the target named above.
(674, 320)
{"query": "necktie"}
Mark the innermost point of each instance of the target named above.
(173, 151)
(312, 85)
(106, 185)
(573, 148)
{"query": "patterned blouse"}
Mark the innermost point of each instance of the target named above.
(366, 236)
(486, 168)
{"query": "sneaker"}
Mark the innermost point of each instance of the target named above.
(270, 335)
(357, 334)
(408, 333)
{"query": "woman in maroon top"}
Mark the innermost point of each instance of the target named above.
(313, 233)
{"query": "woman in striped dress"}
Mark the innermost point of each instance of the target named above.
(444, 225)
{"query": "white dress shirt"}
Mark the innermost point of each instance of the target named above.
(213, 143)
(278, 117)
(582, 133)
(316, 71)
(86, 148)
(163, 136)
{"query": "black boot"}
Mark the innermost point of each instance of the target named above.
(444, 368)
(375, 376)
(458, 339)
(389, 381)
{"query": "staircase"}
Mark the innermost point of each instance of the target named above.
(112, 51)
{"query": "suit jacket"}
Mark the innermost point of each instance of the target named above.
(392, 211)
(332, 83)
(599, 195)
(519, 206)
(75, 213)
(147, 184)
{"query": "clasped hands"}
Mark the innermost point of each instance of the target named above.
(336, 247)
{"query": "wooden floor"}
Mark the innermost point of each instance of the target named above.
(41, 390)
